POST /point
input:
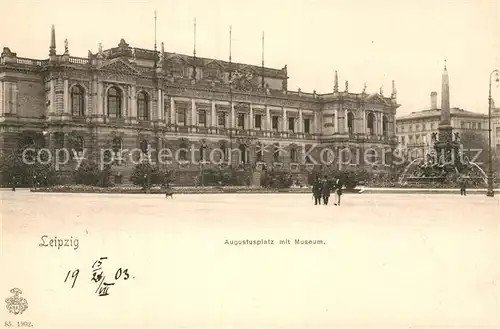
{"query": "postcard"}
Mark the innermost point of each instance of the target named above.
(235, 164)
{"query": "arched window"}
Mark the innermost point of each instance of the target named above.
(28, 141)
(385, 126)
(243, 153)
(350, 123)
(293, 155)
(116, 144)
(143, 106)
(203, 151)
(78, 144)
(77, 101)
(183, 152)
(144, 146)
(114, 103)
(223, 151)
(276, 153)
(370, 123)
(260, 152)
(371, 157)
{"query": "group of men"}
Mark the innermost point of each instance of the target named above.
(323, 187)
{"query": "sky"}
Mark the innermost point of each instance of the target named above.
(366, 41)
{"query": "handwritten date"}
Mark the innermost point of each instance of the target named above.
(99, 277)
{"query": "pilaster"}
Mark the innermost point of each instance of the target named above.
(232, 123)
(268, 118)
(336, 113)
(251, 118)
(346, 122)
(2, 105)
(172, 111)
(213, 116)
(133, 103)
(66, 109)
(194, 117)
(300, 127)
(285, 121)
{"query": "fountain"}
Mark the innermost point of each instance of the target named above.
(446, 163)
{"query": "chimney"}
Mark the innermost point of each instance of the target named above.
(434, 96)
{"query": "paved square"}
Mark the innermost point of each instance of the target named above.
(387, 260)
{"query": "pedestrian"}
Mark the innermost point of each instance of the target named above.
(463, 186)
(13, 183)
(325, 190)
(338, 189)
(317, 191)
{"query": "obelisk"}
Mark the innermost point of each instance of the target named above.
(445, 129)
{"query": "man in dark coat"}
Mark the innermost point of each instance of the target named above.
(338, 190)
(463, 186)
(317, 191)
(325, 190)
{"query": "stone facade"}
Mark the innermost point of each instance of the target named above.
(138, 98)
(415, 131)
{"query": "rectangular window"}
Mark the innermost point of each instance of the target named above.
(291, 124)
(202, 118)
(221, 119)
(258, 121)
(275, 122)
(307, 126)
(181, 117)
(241, 121)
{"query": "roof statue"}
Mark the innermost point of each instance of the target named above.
(364, 88)
(347, 86)
(66, 46)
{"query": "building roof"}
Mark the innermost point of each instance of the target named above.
(429, 113)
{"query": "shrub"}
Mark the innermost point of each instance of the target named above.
(276, 179)
(88, 173)
(13, 167)
(146, 175)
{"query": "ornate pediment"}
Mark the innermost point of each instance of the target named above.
(376, 99)
(119, 66)
(214, 64)
(247, 69)
(176, 58)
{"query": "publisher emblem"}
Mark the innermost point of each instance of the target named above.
(16, 304)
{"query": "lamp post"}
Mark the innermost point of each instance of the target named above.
(490, 191)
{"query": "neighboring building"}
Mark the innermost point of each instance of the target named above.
(128, 98)
(495, 127)
(415, 131)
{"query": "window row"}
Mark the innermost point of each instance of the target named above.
(114, 99)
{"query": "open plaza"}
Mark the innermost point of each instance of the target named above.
(397, 259)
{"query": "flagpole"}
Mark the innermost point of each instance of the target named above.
(263, 60)
(230, 99)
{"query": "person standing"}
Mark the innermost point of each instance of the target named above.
(325, 190)
(338, 190)
(317, 190)
(13, 183)
(463, 186)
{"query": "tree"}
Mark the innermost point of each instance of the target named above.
(88, 173)
(146, 175)
(475, 147)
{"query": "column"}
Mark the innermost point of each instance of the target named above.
(14, 98)
(232, 123)
(285, 121)
(194, 119)
(316, 123)
(300, 127)
(100, 99)
(346, 127)
(336, 120)
(393, 132)
(363, 121)
(173, 119)
(66, 96)
(250, 118)
(213, 116)
(268, 118)
(379, 123)
(159, 105)
(2, 106)
(94, 108)
(52, 97)
(133, 105)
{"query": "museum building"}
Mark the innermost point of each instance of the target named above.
(133, 98)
